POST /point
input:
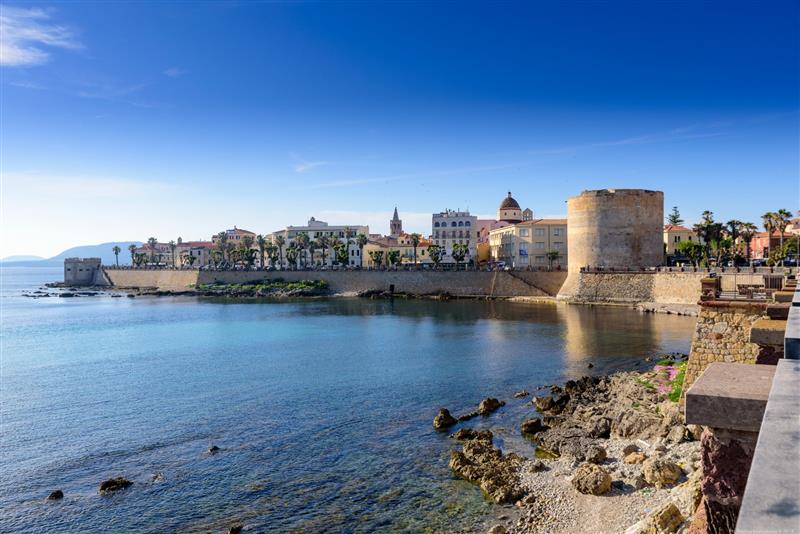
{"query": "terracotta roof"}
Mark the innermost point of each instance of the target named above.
(676, 228)
(543, 221)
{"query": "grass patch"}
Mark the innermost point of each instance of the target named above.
(677, 383)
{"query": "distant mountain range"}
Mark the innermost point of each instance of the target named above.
(104, 251)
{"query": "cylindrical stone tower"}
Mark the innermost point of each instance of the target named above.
(614, 228)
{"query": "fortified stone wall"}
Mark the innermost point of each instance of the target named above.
(467, 283)
(722, 334)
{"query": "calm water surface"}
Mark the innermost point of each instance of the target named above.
(322, 409)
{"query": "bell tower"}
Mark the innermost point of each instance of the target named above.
(395, 225)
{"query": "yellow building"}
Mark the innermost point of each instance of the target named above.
(674, 234)
(402, 243)
(538, 243)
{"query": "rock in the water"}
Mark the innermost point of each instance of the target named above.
(497, 474)
(489, 405)
(520, 394)
(497, 529)
(236, 529)
(635, 458)
(56, 495)
(532, 426)
(213, 449)
(544, 403)
(157, 477)
(591, 479)
(114, 484)
(660, 472)
(590, 366)
(443, 419)
(466, 434)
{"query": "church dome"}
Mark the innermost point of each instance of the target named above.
(509, 203)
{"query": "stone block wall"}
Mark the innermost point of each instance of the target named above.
(722, 334)
(465, 284)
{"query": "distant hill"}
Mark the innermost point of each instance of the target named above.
(103, 251)
(22, 257)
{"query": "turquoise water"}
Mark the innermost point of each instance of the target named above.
(322, 409)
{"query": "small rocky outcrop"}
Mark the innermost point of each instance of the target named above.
(591, 479)
(497, 529)
(213, 449)
(660, 472)
(57, 495)
(114, 484)
(236, 529)
(466, 434)
(533, 426)
(484, 464)
(443, 419)
(595, 454)
(489, 405)
(521, 394)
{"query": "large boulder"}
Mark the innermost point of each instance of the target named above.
(443, 419)
(636, 424)
(591, 479)
(660, 472)
(489, 405)
(114, 484)
(56, 495)
(594, 454)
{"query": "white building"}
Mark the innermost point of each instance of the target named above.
(315, 230)
(450, 227)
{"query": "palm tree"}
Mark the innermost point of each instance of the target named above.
(746, 231)
(261, 241)
(323, 241)
(280, 241)
(230, 247)
(291, 254)
(152, 242)
(768, 220)
(302, 240)
(361, 241)
(172, 247)
(435, 253)
(116, 251)
(222, 242)
(272, 253)
(132, 250)
(415, 238)
(312, 246)
(782, 220)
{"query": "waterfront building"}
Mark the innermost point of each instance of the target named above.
(762, 243)
(200, 250)
(509, 212)
(235, 236)
(81, 271)
(402, 243)
(538, 243)
(454, 226)
(158, 255)
(316, 229)
(674, 234)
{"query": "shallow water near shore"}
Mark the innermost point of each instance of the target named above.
(322, 409)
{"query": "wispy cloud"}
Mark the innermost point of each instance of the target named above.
(84, 187)
(25, 34)
(676, 134)
(301, 165)
(413, 176)
(175, 72)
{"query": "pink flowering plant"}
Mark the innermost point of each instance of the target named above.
(667, 378)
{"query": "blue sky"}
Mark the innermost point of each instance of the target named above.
(126, 120)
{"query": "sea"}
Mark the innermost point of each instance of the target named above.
(321, 409)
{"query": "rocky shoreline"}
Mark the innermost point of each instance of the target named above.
(612, 455)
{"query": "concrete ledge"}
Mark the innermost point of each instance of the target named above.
(771, 500)
(732, 396)
(778, 311)
(791, 343)
(768, 332)
(783, 296)
(796, 298)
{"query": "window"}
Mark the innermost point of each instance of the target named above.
(466, 223)
(453, 224)
(461, 223)
(558, 244)
(436, 225)
(539, 232)
(523, 232)
(436, 233)
(676, 239)
(538, 244)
